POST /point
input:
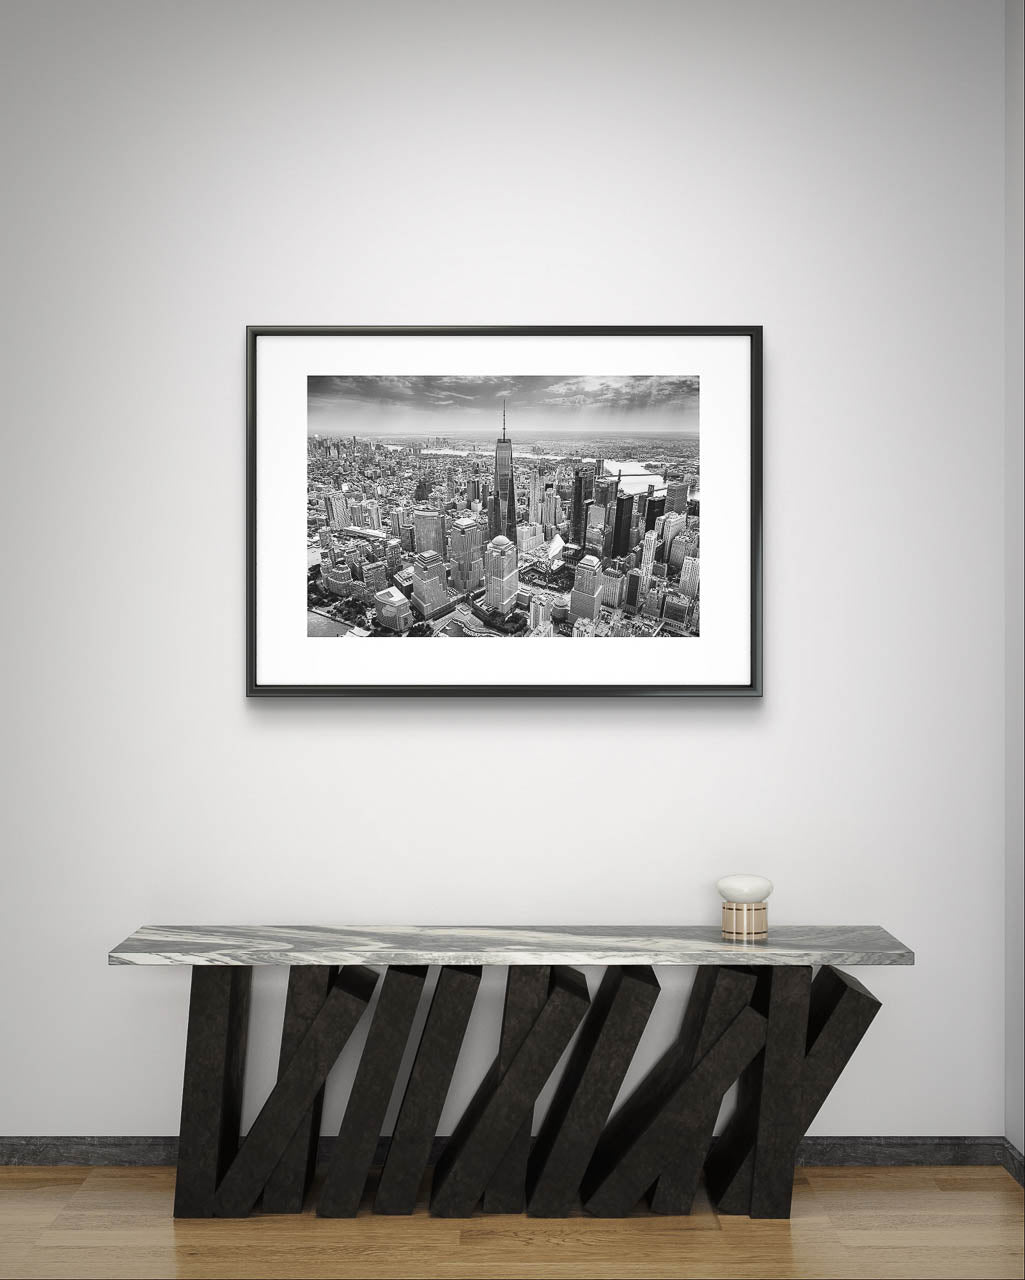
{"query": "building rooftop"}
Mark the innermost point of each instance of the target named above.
(368, 535)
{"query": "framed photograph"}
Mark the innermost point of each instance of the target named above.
(521, 486)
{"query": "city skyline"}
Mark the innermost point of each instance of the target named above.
(488, 531)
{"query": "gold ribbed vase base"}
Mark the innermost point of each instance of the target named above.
(745, 921)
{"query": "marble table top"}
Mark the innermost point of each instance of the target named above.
(505, 944)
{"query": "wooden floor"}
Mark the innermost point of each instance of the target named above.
(847, 1222)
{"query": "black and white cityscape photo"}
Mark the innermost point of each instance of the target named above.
(525, 507)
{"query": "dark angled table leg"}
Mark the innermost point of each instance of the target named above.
(779, 1107)
(718, 996)
(588, 1087)
(215, 1053)
(308, 988)
(841, 1011)
(371, 1091)
(424, 1099)
(505, 1100)
(672, 1129)
(728, 1171)
(525, 994)
(292, 1096)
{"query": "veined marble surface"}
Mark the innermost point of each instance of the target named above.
(505, 944)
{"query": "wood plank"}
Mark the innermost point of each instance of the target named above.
(117, 1227)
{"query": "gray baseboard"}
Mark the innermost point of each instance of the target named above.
(876, 1151)
(92, 1151)
(900, 1151)
(1011, 1159)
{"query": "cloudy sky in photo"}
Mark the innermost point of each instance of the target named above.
(452, 405)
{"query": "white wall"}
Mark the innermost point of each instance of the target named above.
(833, 171)
(1013, 1082)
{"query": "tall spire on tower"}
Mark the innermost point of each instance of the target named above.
(504, 521)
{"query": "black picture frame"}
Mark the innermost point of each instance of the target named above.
(752, 689)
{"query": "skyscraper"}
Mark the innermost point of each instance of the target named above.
(671, 524)
(430, 582)
(604, 489)
(633, 590)
(680, 551)
(550, 509)
(690, 576)
(640, 502)
(529, 537)
(613, 588)
(337, 510)
(504, 517)
(429, 530)
(652, 512)
(648, 558)
(540, 611)
(583, 490)
(501, 576)
(467, 555)
(585, 598)
(621, 529)
(534, 496)
(594, 535)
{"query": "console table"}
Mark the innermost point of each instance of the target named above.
(756, 1015)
